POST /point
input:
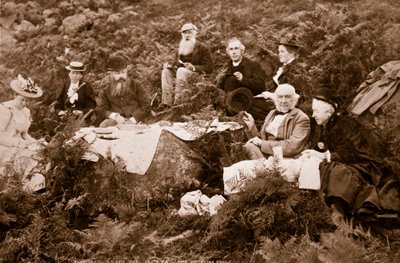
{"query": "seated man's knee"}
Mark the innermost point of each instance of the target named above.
(182, 73)
(107, 123)
(167, 74)
(253, 151)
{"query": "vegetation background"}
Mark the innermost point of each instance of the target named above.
(90, 213)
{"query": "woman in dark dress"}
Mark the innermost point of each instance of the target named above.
(356, 178)
(292, 72)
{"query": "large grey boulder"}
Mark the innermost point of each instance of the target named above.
(73, 23)
(7, 41)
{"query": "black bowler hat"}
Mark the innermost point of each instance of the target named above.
(240, 99)
(116, 63)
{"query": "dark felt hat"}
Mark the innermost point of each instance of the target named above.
(290, 40)
(116, 63)
(327, 94)
(240, 99)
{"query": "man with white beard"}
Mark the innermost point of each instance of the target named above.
(192, 57)
(123, 101)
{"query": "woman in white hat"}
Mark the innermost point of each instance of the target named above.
(17, 147)
(75, 96)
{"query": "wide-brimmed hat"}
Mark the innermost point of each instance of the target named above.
(188, 26)
(290, 40)
(26, 87)
(240, 99)
(76, 66)
(116, 63)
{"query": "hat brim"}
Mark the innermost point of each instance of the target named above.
(238, 100)
(74, 69)
(16, 86)
(289, 44)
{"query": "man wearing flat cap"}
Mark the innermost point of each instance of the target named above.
(122, 101)
(191, 57)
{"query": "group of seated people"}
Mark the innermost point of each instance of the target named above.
(356, 177)
(124, 101)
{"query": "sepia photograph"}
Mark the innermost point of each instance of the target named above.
(215, 131)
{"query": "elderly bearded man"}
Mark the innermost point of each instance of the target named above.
(123, 101)
(192, 57)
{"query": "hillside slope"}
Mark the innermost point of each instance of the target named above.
(91, 214)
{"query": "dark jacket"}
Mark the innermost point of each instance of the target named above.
(200, 59)
(358, 173)
(86, 98)
(253, 76)
(295, 75)
(134, 103)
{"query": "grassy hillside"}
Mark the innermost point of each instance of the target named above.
(90, 214)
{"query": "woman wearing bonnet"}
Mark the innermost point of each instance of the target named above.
(357, 178)
(17, 148)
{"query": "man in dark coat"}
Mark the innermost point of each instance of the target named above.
(75, 95)
(242, 72)
(123, 101)
(356, 178)
(192, 57)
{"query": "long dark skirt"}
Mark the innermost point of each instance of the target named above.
(361, 188)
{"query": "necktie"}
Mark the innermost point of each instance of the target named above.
(72, 95)
(280, 112)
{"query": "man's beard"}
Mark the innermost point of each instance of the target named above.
(186, 46)
(119, 88)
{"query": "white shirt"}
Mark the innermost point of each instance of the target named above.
(72, 92)
(272, 127)
(279, 72)
(235, 64)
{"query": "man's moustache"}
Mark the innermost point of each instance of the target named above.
(120, 78)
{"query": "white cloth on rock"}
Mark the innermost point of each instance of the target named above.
(136, 144)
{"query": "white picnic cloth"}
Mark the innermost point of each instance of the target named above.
(136, 145)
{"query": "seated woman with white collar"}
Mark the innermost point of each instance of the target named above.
(292, 72)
